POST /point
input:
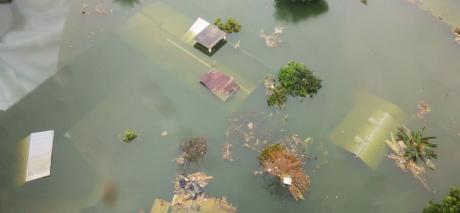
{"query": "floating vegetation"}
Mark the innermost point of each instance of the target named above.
(295, 80)
(423, 108)
(403, 155)
(450, 204)
(231, 26)
(279, 162)
(273, 39)
(129, 136)
(192, 151)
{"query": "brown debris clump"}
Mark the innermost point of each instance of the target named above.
(274, 39)
(423, 108)
(278, 161)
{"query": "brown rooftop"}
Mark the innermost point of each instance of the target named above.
(223, 86)
(210, 36)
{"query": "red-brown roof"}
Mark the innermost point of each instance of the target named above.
(223, 86)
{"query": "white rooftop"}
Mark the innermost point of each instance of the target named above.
(287, 180)
(39, 156)
(199, 25)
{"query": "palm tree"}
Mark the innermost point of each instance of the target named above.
(416, 146)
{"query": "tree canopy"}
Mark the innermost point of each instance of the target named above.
(450, 204)
(296, 80)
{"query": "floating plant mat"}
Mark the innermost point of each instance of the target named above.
(365, 128)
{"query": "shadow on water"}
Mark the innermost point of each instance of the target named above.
(286, 10)
(204, 50)
(276, 188)
(127, 3)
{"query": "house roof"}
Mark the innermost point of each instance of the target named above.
(223, 86)
(210, 36)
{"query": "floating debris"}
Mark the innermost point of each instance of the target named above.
(99, 9)
(251, 125)
(274, 39)
(237, 45)
(191, 186)
(423, 108)
(189, 196)
(227, 154)
(164, 133)
(406, 164)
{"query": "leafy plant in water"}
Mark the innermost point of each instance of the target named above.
(417, 146)
(450, 204)
(295, 79)
(129, 136)
(231, 26)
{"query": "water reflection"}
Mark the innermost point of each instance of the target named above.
(127, 3)
(294, 12)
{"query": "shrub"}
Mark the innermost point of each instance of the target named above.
(231, 26)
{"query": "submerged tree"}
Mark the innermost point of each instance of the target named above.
(417, 147)
(231, 26)
(193, 151)
(450, 204)
(296, 80)
(279, 162)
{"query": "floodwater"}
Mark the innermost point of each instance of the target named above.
(132, 68)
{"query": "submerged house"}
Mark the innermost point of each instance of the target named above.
(207, 35)
(223, 86)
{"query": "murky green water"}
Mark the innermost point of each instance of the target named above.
(131, 69)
